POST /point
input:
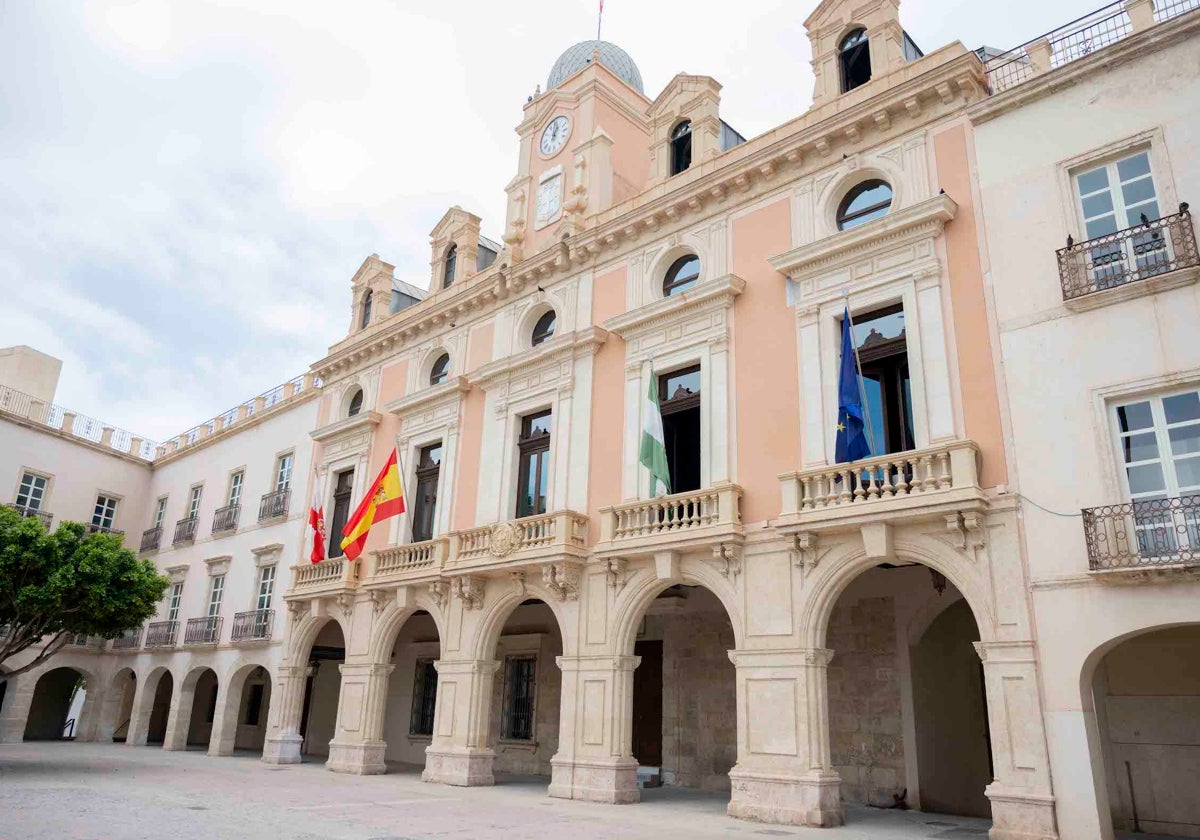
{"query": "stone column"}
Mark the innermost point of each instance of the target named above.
(1021, 797)
(88, 727)
(783, 772)
(282, 745)
(460, 753)
(224, 727)
(18, 697)
(595, 732)
(139, 714)
(358, 746)
(179, 717)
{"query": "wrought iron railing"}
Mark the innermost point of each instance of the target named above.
(151, 538)
(57, 417)
(31, 512)
(1154, 532)
(203, 631)
(185, 530)
(274, 504)
(226, 518)
(161, 633)
(104, 529)
(131, 639)
(253, 626)
(1150, 249)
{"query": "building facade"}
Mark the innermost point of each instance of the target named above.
(920, 629)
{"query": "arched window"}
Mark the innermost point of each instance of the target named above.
(543, 330)
(855, 59)
(366, 309)
(682, 275)
(868, 201)
(441, 370)
(681, 147)
(451, 264)
(355, 404)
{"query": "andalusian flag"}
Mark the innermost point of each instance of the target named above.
(653, 453)
(384, 499)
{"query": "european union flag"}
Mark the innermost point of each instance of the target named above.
(851, 440)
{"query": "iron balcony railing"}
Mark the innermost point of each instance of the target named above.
(185, 530)
(30, 512)
(1153, 532)
(274, 504)
(226, 518)
(203, 631)
(1150, 249)
(104, 529)
(161, 633)
(253, 626)
(151, 538)
(131, 639)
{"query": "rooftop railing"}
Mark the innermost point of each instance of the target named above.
(1143, 534)
(1150, 249)
(56, 417)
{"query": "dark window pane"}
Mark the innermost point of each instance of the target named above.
(544, 328)
(431, 456)
(682, 275)
(1182, 407)
(441, 370)
(1134, 416)
(1140, 447)
(866, 202)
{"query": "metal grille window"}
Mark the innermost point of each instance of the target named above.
(520, 693)
(283, 472)
(235, 487)
(266, 587)
(194, 502)
(105, 512)
(1117, 196)
(424, 699)
(215, 590)
(31, 492)
(176, 597)
(160, 512)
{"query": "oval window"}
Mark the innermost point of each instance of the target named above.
(543, 330)
(682, 275)
(868, 201)
(440, 370)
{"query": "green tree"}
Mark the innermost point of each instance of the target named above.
(54, 586)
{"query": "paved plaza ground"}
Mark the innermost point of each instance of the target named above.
(71, 791)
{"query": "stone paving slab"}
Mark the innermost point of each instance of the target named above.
(73, 791)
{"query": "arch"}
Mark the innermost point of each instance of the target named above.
(854, 58)
(54, 694)
(495, 615)
(365, 319)
(391, 622)
(449, 265)
(304, 632)
(117, 709)
(356, 403)
(694, 246)
(353, 389)
(527, 318)
(228, 717)
(868, 167)
(152, 708)
(197, 707)
(873, 198)
(641, 590)
(439, 369)
(681, 146)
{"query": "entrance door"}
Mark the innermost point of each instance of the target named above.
(647, 704)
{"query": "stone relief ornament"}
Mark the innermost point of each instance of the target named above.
(504, 539)
(439, 591)
(469, 590)
(563, 580)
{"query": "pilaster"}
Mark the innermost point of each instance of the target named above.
(358, 746)
(283, 742)
(460, 752)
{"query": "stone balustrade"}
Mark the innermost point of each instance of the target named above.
(680, 521)
(519, 541)
(401, 563)
(328, 577)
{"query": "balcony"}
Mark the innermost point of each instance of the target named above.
(82, 641)
(694, 520)
(160, 634)
(104, 529)
(403, 563)
(30, 512)
(226, 519)
(185, 530)
(274, 505)
(151, 539)
(253, 626)
(203, 631)
(130, 640)
(335, 576)
(923, 484)
(1153, 251)
(1149, 534)
(531, 539)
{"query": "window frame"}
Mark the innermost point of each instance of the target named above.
(334, 544)
(449, 265)
(1161, 430)
(101, 513)
(540, 334)
(216, 595)
(508, 697)
(534, 450)
(160, 511)
(237, 482)
(195, 498)
(174, 601)
(679, 142)
(880, 354)
(285, 464)
(672, 285)
(844, 46)
(266, 581)
(365, 317)
(426, 475)
(44, 490)
(355, 405)
(434, 377)
(841, 219)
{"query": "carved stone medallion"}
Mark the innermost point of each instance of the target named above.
(504, 539)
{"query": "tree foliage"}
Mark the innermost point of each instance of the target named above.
(54, 586)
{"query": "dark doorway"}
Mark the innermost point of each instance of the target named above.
(647, 704)
(679, 397)
(341, 510)
(160, 710)
(52, 698)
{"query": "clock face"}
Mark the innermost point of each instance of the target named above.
(555, 135)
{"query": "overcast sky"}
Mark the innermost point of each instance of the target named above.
(186, 187)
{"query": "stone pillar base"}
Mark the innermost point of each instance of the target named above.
(359, 758)
(464, 768)
(611, 782)
(282, 749)
(1017, 815)
(220, 746)
(788, 800)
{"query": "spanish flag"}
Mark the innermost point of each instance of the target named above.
(384, 499)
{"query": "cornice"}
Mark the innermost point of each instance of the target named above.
(920, 220)
(559, 348)
(457, 385)
(363, 420)
(718, 292)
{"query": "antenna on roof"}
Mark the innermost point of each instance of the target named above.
(599, 19)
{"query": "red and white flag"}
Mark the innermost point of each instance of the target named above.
(316, 521)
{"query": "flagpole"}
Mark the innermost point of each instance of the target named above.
(599, 19)
(862, 391)
(403, 483)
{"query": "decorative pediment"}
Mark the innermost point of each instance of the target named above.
(713, 296)
(267, 555)
(219, 565)
(362, 422)
(548, 355)
(451, 390)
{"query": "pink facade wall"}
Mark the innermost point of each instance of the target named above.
(608, 404)
(470, 443)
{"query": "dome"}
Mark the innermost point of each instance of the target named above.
(580, 56)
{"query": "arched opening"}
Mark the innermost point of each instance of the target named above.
(204, 707)
(366, 310)
(865, 202)
(118, 705)
(160, 709)
(1146, 693)
(451, 266)
(242, 717)
(681, 147)
(356, 403)
(54, 709)
(682, 275)
(323, 686)
(543, 330)
(409, 713)
(908, 725)
(854, 56)
(440, 370)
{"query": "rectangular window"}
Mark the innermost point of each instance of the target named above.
(283, 472)
(520, 690)
(176, 597)
(342, 488)
(266, 587)
(194, 502)
(235, 487)
(882, 346)
(424, 699)
(160, 511)
(216, 589)
(1116, 196)
(679, 400)
(429, 463)
(105, 512)
(533, 472)
(31, 492)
